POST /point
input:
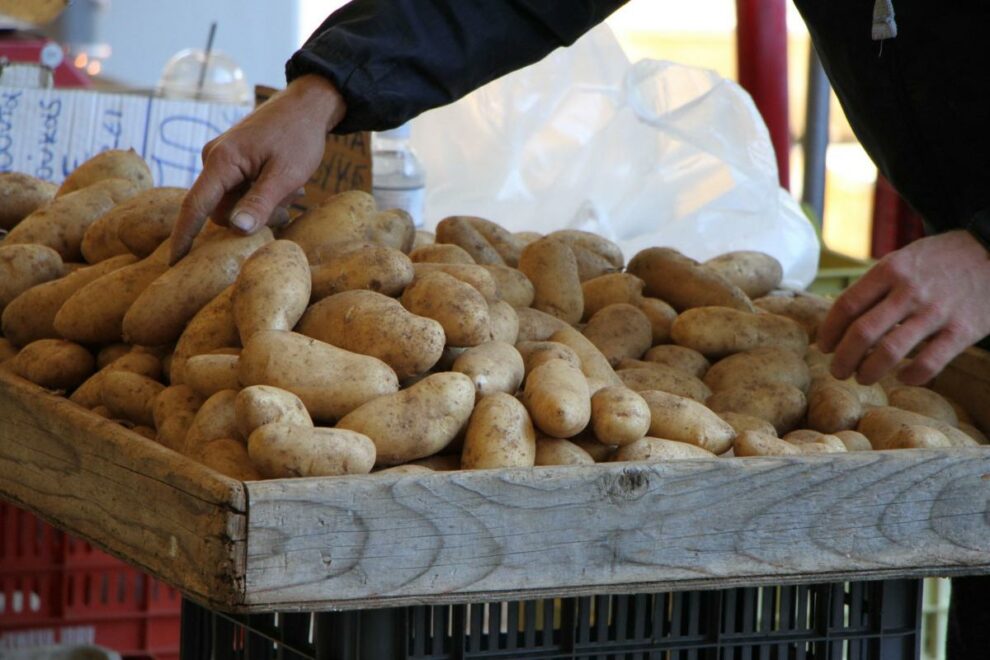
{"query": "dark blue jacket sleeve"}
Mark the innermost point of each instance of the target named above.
(393, 59)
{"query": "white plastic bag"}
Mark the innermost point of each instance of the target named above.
(650, 154)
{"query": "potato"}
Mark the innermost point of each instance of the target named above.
(970, 430)
(213, 327)
(393, 228)
(230, 458)
(493, 367)
(457, 306)
(62, 223)
(557, 398)
(807, 309)
(619, 416)
(801, 437)
(102, 411)
(7, 350)
(758, 366)
(685, 420)
(892, 428)
(175, 400)
(595, 255)
(208, 374)
(659, 449)
(423, 238)
(741, 422)
(374, 267)
(131, 396)
(416, 422)
(259, 405)
(535, 325)
(54, 364)
(780, 404)
(215, 419)
(110, 164)
(619, 331)
(100, 242)
(513, 286)
(282, 450)
(20, 196)
(330, 381)
(755, 443)
(25, 266)
(172, 430)
(145, 432)
(686, 359)
(342, 218)
(477, 276)
(755, 273)
(145, 221)
(409, 468)
(684, 283)
(552, 268)
(924, 402)
(162, 310)
(661, 317)
(499, 434)
(505, 322)
(594, 365)
(535, 353)
(95, 313)
(111, 352)
(90, 393)
(527, 237)
(272, 290)
(854, 440)
(832, 408)
(719, 331)
(599, 452)
(441, 253)
(485, 241)
(373, 324)
(558, 451)
(605, 290)
(666, 379)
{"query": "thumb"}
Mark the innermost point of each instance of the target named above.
(255, 208)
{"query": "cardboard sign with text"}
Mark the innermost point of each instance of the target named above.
(346, 164)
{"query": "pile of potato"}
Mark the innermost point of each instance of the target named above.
(349, 342)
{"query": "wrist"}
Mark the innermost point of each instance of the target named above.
(321, 96)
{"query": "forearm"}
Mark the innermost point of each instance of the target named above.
(393, 59)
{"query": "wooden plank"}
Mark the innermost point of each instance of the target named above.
(132, 497)
(967, 380)
(483, 535)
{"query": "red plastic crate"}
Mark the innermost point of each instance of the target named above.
(55, 589)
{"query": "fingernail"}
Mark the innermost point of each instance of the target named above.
(243, 221)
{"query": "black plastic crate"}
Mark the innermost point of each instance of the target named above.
(842, 621)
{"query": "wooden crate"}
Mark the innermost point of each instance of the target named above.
(373, 541)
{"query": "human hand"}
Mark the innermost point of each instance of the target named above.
(935, 289)
(256, 166)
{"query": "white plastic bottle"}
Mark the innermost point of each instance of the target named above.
(397, 176)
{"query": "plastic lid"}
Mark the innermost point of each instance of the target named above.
(223, 80)
(397, 133)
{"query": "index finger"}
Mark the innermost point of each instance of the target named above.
(854, 301)
(204, 195)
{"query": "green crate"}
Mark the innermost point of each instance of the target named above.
(837, 271)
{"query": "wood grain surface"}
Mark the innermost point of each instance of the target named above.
(146, 504)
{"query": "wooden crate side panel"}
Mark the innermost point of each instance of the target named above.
(462, 536)
(967, 380)
(138, 500)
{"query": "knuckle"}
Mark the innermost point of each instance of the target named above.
(862, 333)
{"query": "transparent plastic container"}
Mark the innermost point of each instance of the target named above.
(223, 81)
(397, 175)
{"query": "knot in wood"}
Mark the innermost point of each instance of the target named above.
(630, 484)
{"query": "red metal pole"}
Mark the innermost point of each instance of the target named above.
(761, 49)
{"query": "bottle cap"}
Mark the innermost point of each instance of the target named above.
(397, 133)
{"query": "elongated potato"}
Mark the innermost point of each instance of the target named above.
(807, 309)
(780, 404)
(560, 451)
(330, 381)
(131, 396)
(832, 408)
(20, 196)
(493, 367)
(892, 428)
(111, 352)
(685, 420)
(272, 290)
(505, 322)
(485, 241)
(755, 273)
(594, 365)
(535, 325)
(808, 436)
(259, 405)
(499, 434)
(513, 286)
(924, 402)
(854, 440)
(161, 312)
(110, 164)
(348, 217)
(31, 315)
(653, 450)
(666, 379)
(557, 398)
(55, 364)
(758, 366)
(755, 443)
(552, 268)
(208, 374)
(683, 282)
(476, 275)
(416, 422)
(619, 331)
(174, 400)
(172, 430)
(719, 331)
(619, 416)
(25, 266)
(686, 359)
(215, 419)
(377, 268)
(535, 353)
(661, 317)
(373, 324)
(90, 393)
(282, 450)
(213, 327)
(100, 242)
(62, 223)
(441, 253)
(609, 289)
(595, 255)
(741, 422)
(230, 458)
(409, 468)
(145, 221)
(457, 306)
